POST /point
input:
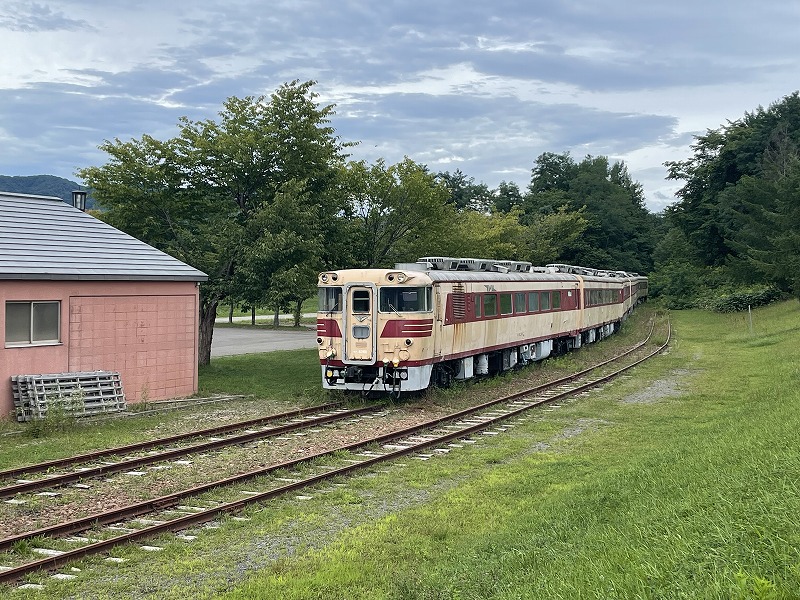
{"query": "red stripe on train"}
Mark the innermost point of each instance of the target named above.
(403, 328)
(328, 328)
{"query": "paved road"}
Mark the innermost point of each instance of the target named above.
(234, 340)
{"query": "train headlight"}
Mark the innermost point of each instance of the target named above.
(330, 373)
(396, 362)
(401, 277)
(323, 277)
(409, 341)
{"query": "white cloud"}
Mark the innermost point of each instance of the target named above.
(483, 87)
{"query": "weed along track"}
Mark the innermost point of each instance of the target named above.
(52, 547)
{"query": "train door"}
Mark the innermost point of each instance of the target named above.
(360, 323)
(439, 310)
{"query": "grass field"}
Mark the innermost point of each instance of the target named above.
(689, 490)
(680, 481)
(223, 310)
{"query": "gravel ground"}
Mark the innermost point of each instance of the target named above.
(669, 387)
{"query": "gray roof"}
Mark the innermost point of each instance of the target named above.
(479, 276)
(42, 237)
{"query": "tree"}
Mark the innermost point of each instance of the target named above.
(465, 194)
(551, 237)
(598, 199)
(507, 197)
(480, 235)
(280, 267)
(751, 146)
(393, 211)
(196, 196)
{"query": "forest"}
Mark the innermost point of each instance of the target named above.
(266, 196)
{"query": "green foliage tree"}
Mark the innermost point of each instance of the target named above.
(738, 204)
(393, 210)
(465, 194)
(200, 195)
(554, 235)
(507, 197)
(616, 230)
(482, 235)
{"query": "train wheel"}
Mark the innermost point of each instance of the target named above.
(443, 376)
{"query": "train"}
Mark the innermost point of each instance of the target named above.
(444, 319)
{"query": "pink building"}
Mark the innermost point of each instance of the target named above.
(79, 295)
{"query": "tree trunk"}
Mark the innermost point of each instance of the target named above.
(253, 315)
(297, 308)
(230, 313)
(208, 313)
(276, 321)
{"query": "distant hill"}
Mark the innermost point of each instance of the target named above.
(42, 185)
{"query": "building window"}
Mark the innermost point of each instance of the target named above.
(33, 323)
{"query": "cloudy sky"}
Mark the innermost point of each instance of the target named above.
(484, 87)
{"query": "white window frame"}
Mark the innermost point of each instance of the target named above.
(31, 342)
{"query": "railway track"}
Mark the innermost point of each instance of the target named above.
(289, 421)
(104, 531)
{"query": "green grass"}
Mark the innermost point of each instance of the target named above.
(688, 489)
(223, 310)
(283, 374)
(689, 497)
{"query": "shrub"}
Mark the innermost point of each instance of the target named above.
(743, 299)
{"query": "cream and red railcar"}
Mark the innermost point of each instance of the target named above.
(440, 319)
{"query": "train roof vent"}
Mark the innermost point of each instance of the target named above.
(521, 266)
(558, 268)
(444, 263)
(417, 266)
(439, 263)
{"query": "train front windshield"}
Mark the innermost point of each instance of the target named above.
(330, 299)
(406, 299)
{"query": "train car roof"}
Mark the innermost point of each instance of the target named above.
(493, 276)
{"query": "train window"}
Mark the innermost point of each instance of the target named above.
(361, 301)
(360, 332)
(533, 301)
(556, 300)
(406, 299)
(519, 302)
(545, 301)
(330, 299)
(505, 304)
(490, 305)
